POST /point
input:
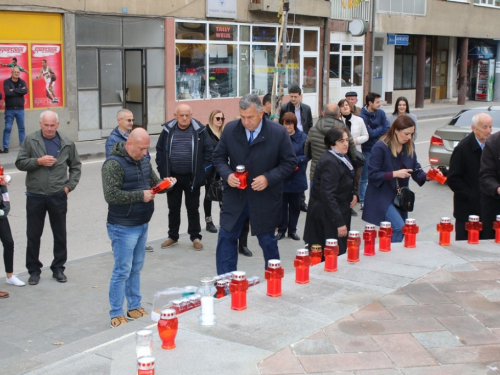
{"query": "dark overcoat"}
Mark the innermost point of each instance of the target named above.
(463, 178)
(489, 181)
(382, 186)
(329, 205)
(296, 182)
(270, 154)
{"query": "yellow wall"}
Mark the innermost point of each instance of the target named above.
(34, 27)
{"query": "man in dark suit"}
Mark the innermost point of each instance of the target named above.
(489, 184)
(302, 111)
(265, 149)
(463, 175)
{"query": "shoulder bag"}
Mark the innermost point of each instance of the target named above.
(215, 188)
(405, 198)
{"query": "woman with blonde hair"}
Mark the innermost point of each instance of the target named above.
(215, 127)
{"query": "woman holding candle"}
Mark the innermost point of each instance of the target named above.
(295, 184)
(402, 108)
(393, 157)
(333, 193)
(214, 129)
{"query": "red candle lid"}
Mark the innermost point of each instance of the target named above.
(353, 234)
(168, 314)
(240, 168)
(445, 220)
(369, 227)
(146, 363)
(385, 224)
(273, 263)
(176, 301)
(410, 222)
(498, 217)
(474, 218)
(302, 252)
(221, 283)
(331, 242)
(239, 275)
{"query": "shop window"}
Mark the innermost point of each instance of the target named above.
(244, 75)
(292, 74)
(310, 40)
(156, 67)
(244, 33)
(264, 34)
(190, 31)
(357, 71)
(293, 35)
(222, 71)
(98, 31)
(405, 65)
(223, 32)
(310, 75)
(111, 77)
(263, 69)
(191, 76)
(334, 66)
(143, 32)
(87, 68)
(334, 47)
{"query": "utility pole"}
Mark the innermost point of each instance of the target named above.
(280, 66)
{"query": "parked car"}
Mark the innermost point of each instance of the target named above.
(444, 139)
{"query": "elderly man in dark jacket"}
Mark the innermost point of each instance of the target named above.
(463, 175)
(184, 151)
(265, 149)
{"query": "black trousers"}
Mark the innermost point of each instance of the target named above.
(291, 212)
(192, 201)
(36, 209)
(8, 245)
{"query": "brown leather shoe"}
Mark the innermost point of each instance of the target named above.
(169, 243)
(4, 294)
(197, 245)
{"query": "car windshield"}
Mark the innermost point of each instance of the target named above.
(464, 118)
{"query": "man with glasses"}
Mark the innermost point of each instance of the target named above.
(15, 89)
(184, 151)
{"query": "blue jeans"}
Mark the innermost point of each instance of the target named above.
(394, 217)
(363, 180)
(129, 248)
(10, 114)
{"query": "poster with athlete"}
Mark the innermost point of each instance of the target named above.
(12, 55)
(46, 75)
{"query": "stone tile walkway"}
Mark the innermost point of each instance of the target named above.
(447, 322)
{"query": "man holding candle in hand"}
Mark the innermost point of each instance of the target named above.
(127, 179)
(265, 149)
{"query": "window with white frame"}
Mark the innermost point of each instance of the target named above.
(346, 63)
(491, 3)
(410, 7)
(217, 59)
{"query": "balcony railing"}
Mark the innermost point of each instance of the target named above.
(361, 11)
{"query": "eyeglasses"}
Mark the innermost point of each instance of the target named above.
(220, 118)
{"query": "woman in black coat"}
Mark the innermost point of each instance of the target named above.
(333, 193)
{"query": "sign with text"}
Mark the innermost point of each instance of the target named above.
(397, 40)
(14, 55)
(46, 75)
(221, 8)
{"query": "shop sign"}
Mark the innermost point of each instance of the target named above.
(397, 40)
(221, 8)
(223, 32)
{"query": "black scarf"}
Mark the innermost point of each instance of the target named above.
(347, 119)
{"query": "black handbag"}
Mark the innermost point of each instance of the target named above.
(215, 188)
(405, 198)
(360, 159)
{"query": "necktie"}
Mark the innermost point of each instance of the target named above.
(250, 140)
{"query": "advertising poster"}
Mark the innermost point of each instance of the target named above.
(46, 75)
(10, 55)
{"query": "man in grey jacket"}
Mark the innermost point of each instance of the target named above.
(48, 157)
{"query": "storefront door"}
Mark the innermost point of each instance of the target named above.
(135, 85)
(441, 77)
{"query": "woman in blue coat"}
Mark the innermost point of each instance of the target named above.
(295, 184)
(393, 157)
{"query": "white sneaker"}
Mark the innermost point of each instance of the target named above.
(15, 281)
